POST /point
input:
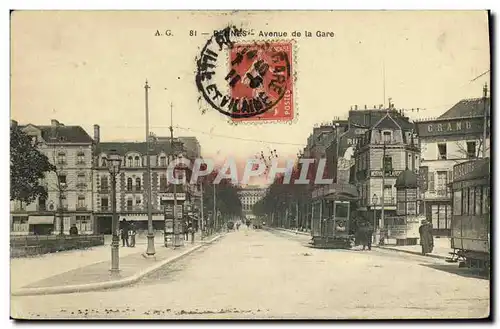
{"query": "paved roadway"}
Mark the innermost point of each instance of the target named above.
(261, 274)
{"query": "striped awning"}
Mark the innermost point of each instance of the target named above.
(35, 220)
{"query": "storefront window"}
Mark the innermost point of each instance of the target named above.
(442, 217)
(412, 208)
(448, 216)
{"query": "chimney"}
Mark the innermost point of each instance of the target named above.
(54, 123)
(13, 123)
(355, 107)
(366, 107)
(97, 134)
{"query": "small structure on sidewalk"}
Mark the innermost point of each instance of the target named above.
(404, 226)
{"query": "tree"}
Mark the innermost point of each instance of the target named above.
(27, 168)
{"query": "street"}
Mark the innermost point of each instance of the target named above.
(259, 274)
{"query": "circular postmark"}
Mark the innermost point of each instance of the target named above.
(256, 79)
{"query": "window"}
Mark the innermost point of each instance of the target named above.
(83, 224)
(388, 194)
(104, 204)
(472, 201)
(104, 183)
(80, 179)
(457, 203)
(431, 185)
(103, 162)
(129, 184)
(486, 200)
(62, 179)
(80, 157)
(471, 149)
(137, 161)
(20, 224)
(163, 161)
(137, 184)
(441, 187)
(61, 158)
(442, 151)
(81, 202)
(130, 164)
(138, 202)
(64, 201)
(387, 164)
(129, 204)
(465, 201)
(163, 182)
(479, 200)
(387, 137)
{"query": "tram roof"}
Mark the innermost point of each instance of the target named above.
(470, 170)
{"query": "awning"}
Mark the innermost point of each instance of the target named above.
(35, 220)
(135, 218)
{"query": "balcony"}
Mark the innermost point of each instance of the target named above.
(105, 208)
(138, 189)
(81, 208)
(104, 190)
(80, 163)
(81, 186)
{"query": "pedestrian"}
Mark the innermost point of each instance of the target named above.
(361, 234)
(426, 238)
(191, 230)
(369, 235)
(124, 233)
(132, 234)
(73, 230)
(185, 230)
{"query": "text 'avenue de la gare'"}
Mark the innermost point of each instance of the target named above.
(253, 33)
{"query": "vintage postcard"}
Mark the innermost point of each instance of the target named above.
(250, 165)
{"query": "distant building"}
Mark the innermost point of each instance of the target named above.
(191, 145)
(69, 148)
(249, 196)
(454, 137)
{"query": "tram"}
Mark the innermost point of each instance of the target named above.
(471, 218)
(331, 216)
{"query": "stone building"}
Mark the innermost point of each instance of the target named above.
(386, 149)
(131, 183)
(69, 148)
(454, 137)
(249, 196)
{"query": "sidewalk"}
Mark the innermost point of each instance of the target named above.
(82, 270)
(441, 250)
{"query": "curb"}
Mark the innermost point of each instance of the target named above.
(109, 284)
(289, 231)
(411, 252)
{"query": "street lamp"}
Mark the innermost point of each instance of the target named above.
(114, 162)
(374, 201)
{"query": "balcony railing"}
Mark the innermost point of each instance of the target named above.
(105, 208)
(104, 189)
(81, 186)
(80, 207)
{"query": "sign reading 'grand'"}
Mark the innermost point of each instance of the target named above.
(451, 127)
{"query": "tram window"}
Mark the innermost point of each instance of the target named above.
(478, 200)
(486, 200)
(457, 203)
(465, 201)
(472, 202)
(341, 211)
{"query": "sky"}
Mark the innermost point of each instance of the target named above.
(86, 68)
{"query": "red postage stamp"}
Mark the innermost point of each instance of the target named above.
(263, 68)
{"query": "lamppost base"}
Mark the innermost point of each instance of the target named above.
(114, 271)
(150, 251)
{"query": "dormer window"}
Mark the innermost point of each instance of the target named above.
(103, 162)
(130, 161)
(386, 136)
(137, 161)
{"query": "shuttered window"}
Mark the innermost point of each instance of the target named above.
(431, 181)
